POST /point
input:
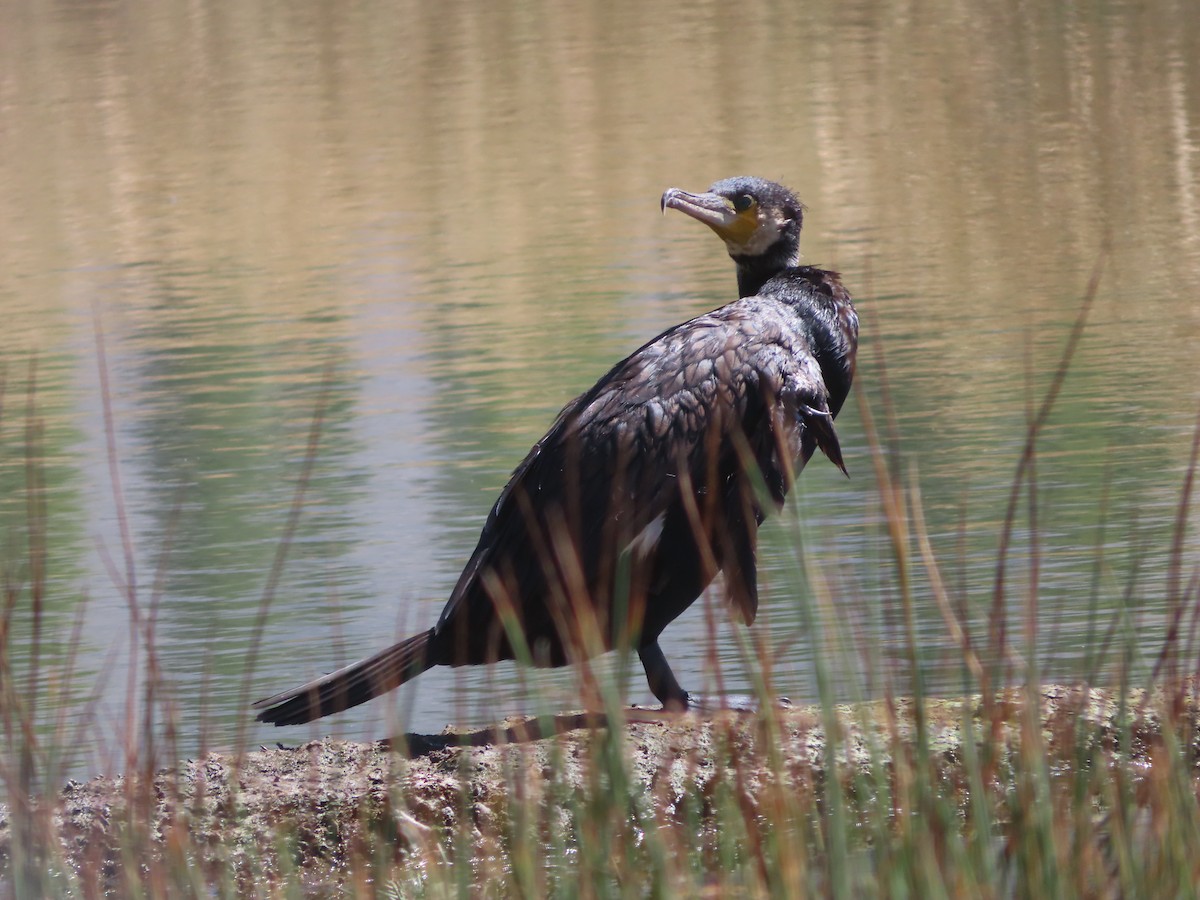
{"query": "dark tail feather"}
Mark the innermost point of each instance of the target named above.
(355, 684)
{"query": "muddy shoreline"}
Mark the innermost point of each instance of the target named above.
(313, 806)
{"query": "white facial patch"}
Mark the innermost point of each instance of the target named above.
(770, 226)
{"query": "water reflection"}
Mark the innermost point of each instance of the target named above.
(220, 406)
(442, 220)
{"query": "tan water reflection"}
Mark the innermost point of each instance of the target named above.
(452, 208)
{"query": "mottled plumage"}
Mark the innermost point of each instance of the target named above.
(652, 482)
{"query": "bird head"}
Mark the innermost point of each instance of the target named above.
(758, 220)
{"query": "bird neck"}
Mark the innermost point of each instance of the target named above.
(755, 271)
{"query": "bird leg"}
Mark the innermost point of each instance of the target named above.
(662, 680)
(675, 699)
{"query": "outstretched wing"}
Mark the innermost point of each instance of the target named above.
(705, 415)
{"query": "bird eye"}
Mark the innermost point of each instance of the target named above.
(743, 202)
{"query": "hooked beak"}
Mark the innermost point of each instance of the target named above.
(714, 211)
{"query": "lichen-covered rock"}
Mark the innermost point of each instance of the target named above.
(313, 807)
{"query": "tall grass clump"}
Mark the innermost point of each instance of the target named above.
(1012, 787)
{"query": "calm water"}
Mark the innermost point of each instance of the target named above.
(439, 222)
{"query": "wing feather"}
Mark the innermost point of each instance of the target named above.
(726, 402)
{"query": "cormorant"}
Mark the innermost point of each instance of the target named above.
(652, 482)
